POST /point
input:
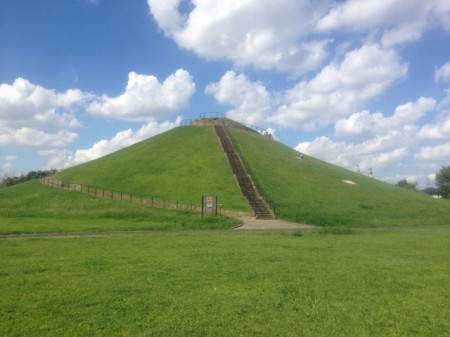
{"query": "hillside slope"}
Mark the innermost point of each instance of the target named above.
(179, 165)
(314, 192)
(186, 162)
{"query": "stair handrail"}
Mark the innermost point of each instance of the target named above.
(249, 171)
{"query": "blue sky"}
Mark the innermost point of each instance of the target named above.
(353, 82)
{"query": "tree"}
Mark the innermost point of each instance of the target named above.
(405, 184)
(443, 182)
(10, 181)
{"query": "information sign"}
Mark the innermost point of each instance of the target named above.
(209, 203)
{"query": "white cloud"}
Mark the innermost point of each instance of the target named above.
(396, 21)
(365, 14)
(258, 33)
(438, 129)
(380, 153)
(250, 100)
(366, 124)
(383, 142)
(341, 89)
(7, 167)
(442, 74)
(23, 104)
(32, 116)
(290, 35)
(64, 158)
(145, 98)
(438, 154)
(32, 138)
(338, 90)
(403, 34)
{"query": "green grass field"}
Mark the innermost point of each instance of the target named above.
(315, 193)
(284, 284)
(33, 208)
(222, 284)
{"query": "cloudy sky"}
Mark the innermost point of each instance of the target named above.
(353, 82)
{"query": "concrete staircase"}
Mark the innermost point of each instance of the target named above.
(262, 211)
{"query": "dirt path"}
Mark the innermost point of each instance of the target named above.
(255, 224)
(249, 225)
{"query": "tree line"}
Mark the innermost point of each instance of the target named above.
(9, 181)
(442, 183)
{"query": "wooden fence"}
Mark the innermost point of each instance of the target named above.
(130, 197)
(116, 195)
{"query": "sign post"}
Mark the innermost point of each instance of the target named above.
(209, 204)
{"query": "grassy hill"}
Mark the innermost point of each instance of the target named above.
(179, 165)
(188, 161)
(315, 192)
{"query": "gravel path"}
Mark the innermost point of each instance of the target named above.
(255, 224)
(249, 224)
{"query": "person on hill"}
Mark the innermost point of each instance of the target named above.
(302, 158)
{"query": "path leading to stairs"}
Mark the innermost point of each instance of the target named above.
(272, 224)
(249, 224)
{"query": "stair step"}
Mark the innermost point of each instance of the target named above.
(245, 182)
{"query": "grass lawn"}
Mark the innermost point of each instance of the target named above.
(33, 208)
(278, 284)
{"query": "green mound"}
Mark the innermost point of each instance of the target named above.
(179, 165)
(317, 192)
(186, 162)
